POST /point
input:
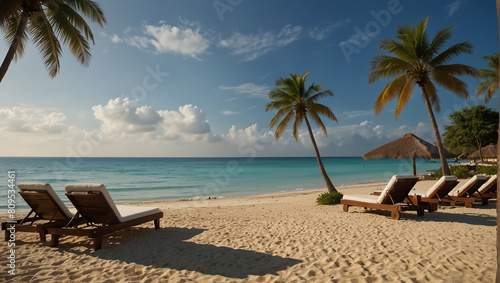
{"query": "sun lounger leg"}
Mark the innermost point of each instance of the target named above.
(395, 214)
(97, 243)
(157, 224)
(346, 207)
(54, 241)
(41, 232)
(420, 212)
(468, 204)
(432, 207)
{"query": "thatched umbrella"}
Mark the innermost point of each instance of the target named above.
(489, 151)
(409, 146)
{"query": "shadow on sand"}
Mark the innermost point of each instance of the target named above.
(168, 248)
(446, 214)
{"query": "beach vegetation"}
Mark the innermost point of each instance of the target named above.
(471, 129)
(47, 24)
(418, 60)
(487, 170)
(329, 198)
(490, 85)
(296, 102)
(461, 172)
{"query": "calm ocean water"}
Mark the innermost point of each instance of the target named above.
(155, 179)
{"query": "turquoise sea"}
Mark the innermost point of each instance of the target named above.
(156, 179)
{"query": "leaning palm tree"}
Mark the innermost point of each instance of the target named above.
(295, 101)
(47, 22)
(490, 85)
(418, 61)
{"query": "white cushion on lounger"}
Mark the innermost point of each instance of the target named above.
(362, 198)
(438, 184)
(418, 193)
(125, 213)
(484, 187)
(26, 187)
(467, 185)
(390, 186)
(128, 212)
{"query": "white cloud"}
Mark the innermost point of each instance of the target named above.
(115, 39)
(320, 33)
(251, 89)
(249, 136)
(252, 46)
(171, 39)
(453, 7)
(229, 112)
(163, 38)
(189, 120)
(31, 120)
(358, 113)
(122, 115)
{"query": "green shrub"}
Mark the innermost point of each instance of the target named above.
(461, 172)
(487, 170)
(329, 198)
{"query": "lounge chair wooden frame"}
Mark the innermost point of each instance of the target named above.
(47, 213)
(394, 201)
(96, 212)
(489, 191)
(467, 196)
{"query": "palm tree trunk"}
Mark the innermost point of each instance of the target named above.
(328, 182)
(15, 43)
(444, 162)
(497, 279)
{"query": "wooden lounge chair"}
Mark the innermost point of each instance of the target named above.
(466, 192)
(438, 193)
(95, 206)
(391, 198)
(47, 209)
(489, 189)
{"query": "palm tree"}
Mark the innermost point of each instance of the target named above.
(46, 22)
(294, 101)
(418, 61)
(490, 86)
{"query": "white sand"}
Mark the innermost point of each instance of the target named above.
(275, 238)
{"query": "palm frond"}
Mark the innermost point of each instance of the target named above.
(317, 120)
(451, 52)
(384, 66)
(296, 126)
(69, 34)
(9, 9)
(450, 82)
(88, 8)
(11, 31)
(319, 95)
(457, 70)
(282, 112)
(283, 124)
(437, 43)
(391, 91)
(488, 87)
(44, 38)
(405, 95)
(317, 108)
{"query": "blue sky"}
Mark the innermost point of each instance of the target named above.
(190, 78)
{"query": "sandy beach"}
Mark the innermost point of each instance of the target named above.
(275, 238)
